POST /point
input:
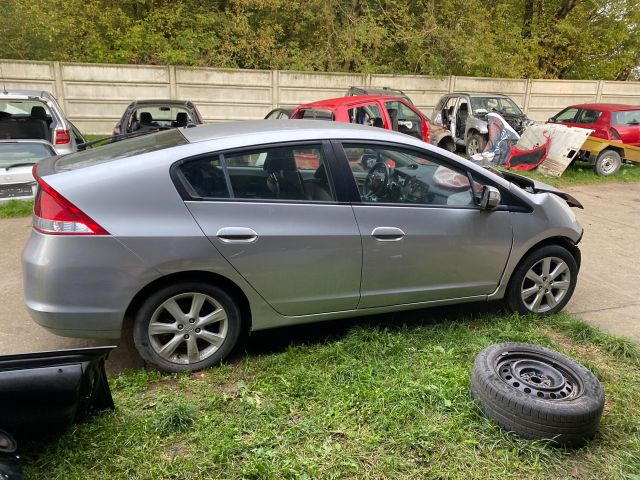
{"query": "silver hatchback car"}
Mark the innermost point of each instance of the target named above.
(189, 237)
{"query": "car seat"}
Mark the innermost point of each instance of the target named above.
(318, 187)
(283, 178)
(181, 119)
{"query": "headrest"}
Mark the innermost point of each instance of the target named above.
(145, 118)
(279, 160)
(320, 173)
(38, 112)
(182, 118)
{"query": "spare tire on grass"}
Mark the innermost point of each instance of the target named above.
(537, 393)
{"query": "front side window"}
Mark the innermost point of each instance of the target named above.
(404, 119)
(628, 117)
(395, 175)
(280, 173)
(567, 115)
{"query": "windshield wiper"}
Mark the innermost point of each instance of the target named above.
(120, 136)
(23, 164)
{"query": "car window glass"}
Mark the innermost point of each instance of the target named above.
(19, 153)
(587, 116)
(160, 115)
(566, 115)
(483, 105)
(393, 175)
(280, 173)
(404, 119)
(628, 117)
(22, 108)
(315, 114)
(205, 177)
(366, 115)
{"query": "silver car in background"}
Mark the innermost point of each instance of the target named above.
(188, 237)
(36, 115)
(17, 158)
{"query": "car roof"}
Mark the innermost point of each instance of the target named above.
(331, 103)
(478, 94)
(24, 93)
(606, 107)
(291, 129)
(160, 101)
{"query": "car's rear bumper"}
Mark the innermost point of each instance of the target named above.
(81, 286)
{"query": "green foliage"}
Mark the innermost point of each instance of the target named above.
(16, 208)
(510, 38)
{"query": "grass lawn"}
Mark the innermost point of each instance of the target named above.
(16, 208)
(370, 399)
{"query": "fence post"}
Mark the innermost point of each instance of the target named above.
(173, 87)
(599, 92)
(527, 96)
(59, 83)
(452, 83)
(275, 89)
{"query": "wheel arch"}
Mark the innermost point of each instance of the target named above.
(564, 242)
(191, 276)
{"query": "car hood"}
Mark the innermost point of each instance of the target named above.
(534, 186)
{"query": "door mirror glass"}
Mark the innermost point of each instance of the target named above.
(490, 198)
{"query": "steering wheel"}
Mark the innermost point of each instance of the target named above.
(378, 180)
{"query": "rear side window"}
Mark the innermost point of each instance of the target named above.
(205, 177)
(628, 117)
(588, 117)
(122, 149)
(566, 115)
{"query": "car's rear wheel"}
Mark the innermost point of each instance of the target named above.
(607, 163)
(543, 282)
(475, 144)
(186, 327)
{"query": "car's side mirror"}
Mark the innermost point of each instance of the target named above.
(490, 198)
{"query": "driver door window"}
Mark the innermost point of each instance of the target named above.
(404, 119)
(391, 175)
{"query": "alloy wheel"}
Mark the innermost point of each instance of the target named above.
(188, 328)
(545, 284)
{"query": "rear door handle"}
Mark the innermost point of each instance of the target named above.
(387, 234)
(237, 235)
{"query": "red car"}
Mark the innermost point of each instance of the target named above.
(382, 111)
(611, 121)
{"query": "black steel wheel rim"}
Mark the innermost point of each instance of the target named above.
(537, 375)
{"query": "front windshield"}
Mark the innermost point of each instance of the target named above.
(502, 105)
(12, 154)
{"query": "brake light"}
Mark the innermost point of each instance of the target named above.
(55, 215)
(62, 137)
(613, 133)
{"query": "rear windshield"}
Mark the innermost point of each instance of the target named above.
(315, 114)
(121, 149)
(19, 109)
(12, 154)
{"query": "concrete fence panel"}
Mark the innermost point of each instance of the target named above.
(94, 96)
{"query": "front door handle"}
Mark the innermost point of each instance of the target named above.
(387, 234)
(237, 235)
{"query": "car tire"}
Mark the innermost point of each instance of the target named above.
(607, 163)
(543, 282)
(537, 393)
(186, 327)
(448, 144)
(475, 144)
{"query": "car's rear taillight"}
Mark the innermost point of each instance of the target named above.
(614, 135)
(62, 137)
(55, 215)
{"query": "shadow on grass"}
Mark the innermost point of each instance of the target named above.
(279, 339)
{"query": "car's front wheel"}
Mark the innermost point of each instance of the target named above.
(186, 327)
(475, 144)
(543, 282)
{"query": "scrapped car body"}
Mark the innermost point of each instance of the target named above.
(279, 114)
(153, 115)
(196, 235)
(616, 133)
(17, 158)
(388, 112)
(36, 115)
(465, 115)
(386, 91)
